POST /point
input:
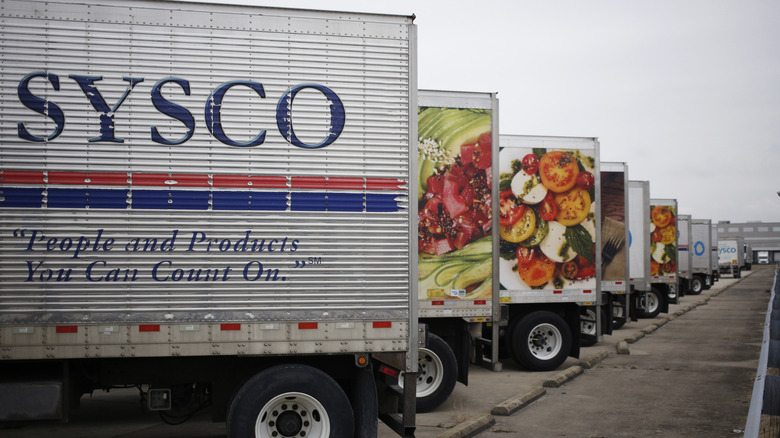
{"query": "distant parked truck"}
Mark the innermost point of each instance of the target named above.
(638, 245)
(714, 266)
(701, 256)
(731, 255)
(664, 280)
(762, 257)
(748, 263)
(684, 259)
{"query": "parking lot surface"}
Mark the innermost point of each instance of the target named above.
(687, 373)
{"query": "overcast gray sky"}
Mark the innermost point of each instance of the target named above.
(687, 92)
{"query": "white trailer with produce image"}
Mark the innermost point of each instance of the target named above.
(456, 134)
(550, 246)
(615, 238)
(214, 204)
(664, 280)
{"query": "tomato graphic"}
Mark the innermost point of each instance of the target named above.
(521, 230)
(510, 211)
(668, 234)
(538, 271)
(661, 215)
(530, 164)
(548, 209)
(586, 180)
(558, 170)
(573, 206)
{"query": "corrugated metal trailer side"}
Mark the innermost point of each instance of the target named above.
(182, 179)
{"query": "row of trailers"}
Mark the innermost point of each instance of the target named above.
(157, 234)
(575, 248)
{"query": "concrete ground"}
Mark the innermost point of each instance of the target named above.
(690, 376)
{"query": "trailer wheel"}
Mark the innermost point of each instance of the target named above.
(541, 341)
(697, 285)
(649, 303)
(588, 326)
(437, 371)
(290, 401)
(619, 316)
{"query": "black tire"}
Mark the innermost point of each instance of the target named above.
(619, 316)
(697, 285)
(290, 399)
(588, 326)
(540, 341)
(436, 375)
(649, 304)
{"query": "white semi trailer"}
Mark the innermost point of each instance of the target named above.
(214, 203)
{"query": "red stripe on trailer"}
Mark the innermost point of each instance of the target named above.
(587, 291)
(149, 328)
(384, 184)
(21, 177)
(346, 183)
(307, 325)
(309, 182)
(256, 181)
(557, 291)
(170, 180)
(383, 324)
(480, 302)
(437, 303)
(67, 329)
(227, 327)
(94, 178)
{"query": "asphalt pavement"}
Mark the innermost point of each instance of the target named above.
(686, 373)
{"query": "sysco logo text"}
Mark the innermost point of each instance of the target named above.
(211, 111)
(727, 250)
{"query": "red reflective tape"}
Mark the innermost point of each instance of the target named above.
(307, 325)
(257, 181)
(309, 182)
(618, 282)
(94, 178)
(165, 180)
(437, 303)
(587, 291)
(67, 329)
(480, 302)
(383, 324)
(557, 291)
(21, 177)
(189, 180)
(149, 328)
(346, 183)
(227, 327)
(384, 184)
(150, 179)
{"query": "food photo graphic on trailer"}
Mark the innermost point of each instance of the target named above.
(663, 236)
(454, 193)
(547, 218)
